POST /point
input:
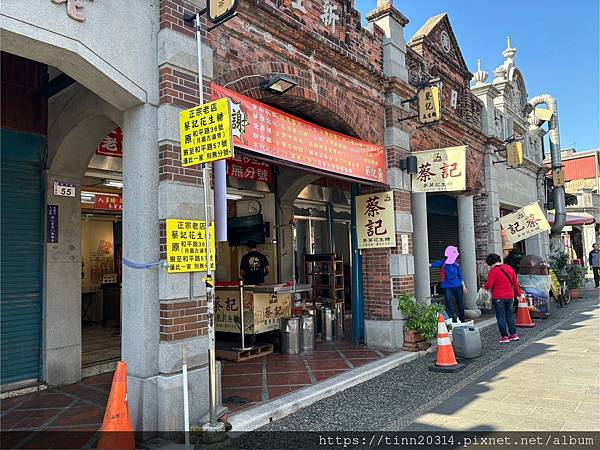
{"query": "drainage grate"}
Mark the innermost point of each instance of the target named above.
(236, 400)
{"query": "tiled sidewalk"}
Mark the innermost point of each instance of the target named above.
(248, 383)
(77, 408)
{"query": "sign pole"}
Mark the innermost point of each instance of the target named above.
(213, 424)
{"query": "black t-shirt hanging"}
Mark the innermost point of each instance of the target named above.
(253, 264)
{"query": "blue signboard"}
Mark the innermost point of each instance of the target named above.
(52, 222)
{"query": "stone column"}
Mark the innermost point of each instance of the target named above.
(466, 236)
(140, 306)
(421, 246)
(62, 304)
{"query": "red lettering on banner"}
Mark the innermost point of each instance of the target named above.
(272, 132)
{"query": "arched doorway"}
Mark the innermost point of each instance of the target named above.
(58, 123)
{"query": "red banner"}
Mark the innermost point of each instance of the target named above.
(108, 202)
(112, 145)
(249, 169)
(266, 130)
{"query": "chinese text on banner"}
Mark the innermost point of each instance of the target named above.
(186, 245)
(205, 133)
(440, 170)
(375, 225)
(525, 222)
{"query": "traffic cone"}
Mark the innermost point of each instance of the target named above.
(445, 360)
(523, 317)
(117, 430)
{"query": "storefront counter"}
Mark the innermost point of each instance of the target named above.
(264, 307)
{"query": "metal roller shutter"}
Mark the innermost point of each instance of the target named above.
(21, 263)
(442, 231)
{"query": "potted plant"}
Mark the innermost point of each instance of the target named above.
(559, 263)
(575, 279)
(421, 322)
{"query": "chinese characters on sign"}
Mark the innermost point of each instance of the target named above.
(429, 104)
(269, 309)
(440, 170)
(271, 132)
(227, 310)
(375, 224)
(218, 10)
(329, 15)
(404, 244)
(525, 222)
(64, 189)
(249, 169)
(112, 145)
(514, 154)
(52, 224)
(108, 202)
(205, 133)
(186, 245)
(262, 311)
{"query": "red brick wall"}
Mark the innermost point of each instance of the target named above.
(460, 125)
(182, 319)
(377, 287)
(340, 86)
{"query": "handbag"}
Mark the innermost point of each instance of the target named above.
(484, 299)
(515, 298)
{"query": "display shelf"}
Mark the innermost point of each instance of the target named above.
(325, 272)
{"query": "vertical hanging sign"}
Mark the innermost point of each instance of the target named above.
(52, 224)
(429, 104)
(221, 10)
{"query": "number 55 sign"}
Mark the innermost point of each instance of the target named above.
(62, 189)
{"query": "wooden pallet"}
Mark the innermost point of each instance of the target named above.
(231, 354)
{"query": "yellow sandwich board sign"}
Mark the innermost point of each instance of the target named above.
(205, 132)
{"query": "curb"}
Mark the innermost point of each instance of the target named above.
(285, 405)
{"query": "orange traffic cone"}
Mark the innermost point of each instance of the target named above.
(523, 317)
(445, 360)
(117, 430)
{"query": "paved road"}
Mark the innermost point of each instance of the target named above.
(550, 380)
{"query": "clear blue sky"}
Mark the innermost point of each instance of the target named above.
(557, 43)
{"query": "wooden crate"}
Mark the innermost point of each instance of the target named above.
(231, 354)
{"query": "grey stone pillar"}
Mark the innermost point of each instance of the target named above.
(140, 305)
(466, 236)
(421, 246)
(62, 303)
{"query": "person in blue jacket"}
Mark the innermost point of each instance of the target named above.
(452, 282)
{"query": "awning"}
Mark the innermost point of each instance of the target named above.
(575, 219)
(279, 137)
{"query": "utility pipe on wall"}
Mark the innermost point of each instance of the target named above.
(560, 207)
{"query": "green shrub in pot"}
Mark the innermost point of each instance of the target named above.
(575, 276)
(420, 318)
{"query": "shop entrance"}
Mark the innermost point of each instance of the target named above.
(101, 256)
(314, 227)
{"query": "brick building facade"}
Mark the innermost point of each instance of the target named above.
(343, 80)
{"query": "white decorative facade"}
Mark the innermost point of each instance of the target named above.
(504, 118)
